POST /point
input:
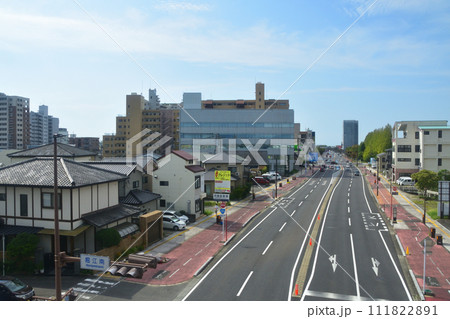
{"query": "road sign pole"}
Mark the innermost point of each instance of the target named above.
(226, 224)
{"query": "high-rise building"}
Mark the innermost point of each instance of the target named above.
(350, 135)
(14, 122)
(42, 127)
(143, 116)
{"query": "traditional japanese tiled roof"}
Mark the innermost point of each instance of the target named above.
(120, 168)
(139, 197)
(62, 150)
(103, 217)
(39, 172)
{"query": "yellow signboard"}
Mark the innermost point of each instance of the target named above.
(222, 181)
(222, 175)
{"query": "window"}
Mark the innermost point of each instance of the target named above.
(417, 162)
(439, 134)
(417, 148)
(439, 147)
(48, 200)
(163, 183)
(404, 148)
(404, 159)
(2, 196)
(197, 182)
(426, 132)
(198, 205)
(417, 135)
(439, 161)
(23, 205)
(162, 203)
(135, 184)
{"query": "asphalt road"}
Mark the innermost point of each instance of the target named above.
(263, 261)
(355, 257)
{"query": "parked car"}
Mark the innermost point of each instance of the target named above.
(172, 213)
(259, 180)
(272, 177)
(171, 222)
(405, 181)
(356, 173)
(12, 288)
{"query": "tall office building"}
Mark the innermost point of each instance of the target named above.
(42, 127)
(140, 115)
(350, 137)
(14, 122)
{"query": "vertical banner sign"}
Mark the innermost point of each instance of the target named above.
(222, 182)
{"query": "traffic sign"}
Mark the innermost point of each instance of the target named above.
(222, 211)
(221, 196)
(93, 262)
(223, 205)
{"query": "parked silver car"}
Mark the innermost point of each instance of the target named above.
(172, 213)
(171, 222)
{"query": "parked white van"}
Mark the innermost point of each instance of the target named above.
(405, 181)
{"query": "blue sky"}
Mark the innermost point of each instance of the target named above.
(81, 58)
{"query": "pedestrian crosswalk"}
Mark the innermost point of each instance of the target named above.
(93, 286)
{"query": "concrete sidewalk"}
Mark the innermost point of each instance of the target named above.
(190, 251)
(412, 234)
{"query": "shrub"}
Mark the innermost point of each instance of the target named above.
(208, 212)
(108, 237)
(240, 192)
(21, 252)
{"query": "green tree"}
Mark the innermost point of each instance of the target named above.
(21, 251)
(376, 142)
(444, 175)
(426, 180)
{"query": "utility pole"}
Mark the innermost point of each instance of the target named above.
(55, 205)
(276, 176)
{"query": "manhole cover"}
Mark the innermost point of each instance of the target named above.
(432, 281)
(160, 274)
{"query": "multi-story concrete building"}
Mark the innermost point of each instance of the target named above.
(143, 115)
(415, 146)
(86, 143)
(42, 127)
(258, 103)
(350, 133)
(14, 122)
(435, 147)
(223, 125)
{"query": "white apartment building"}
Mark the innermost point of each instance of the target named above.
(435, 147)
(411, 152)
(42, 127)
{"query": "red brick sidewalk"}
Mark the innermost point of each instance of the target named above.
(412, 232)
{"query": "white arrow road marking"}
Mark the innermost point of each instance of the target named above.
(375, 264)
(333, 261)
